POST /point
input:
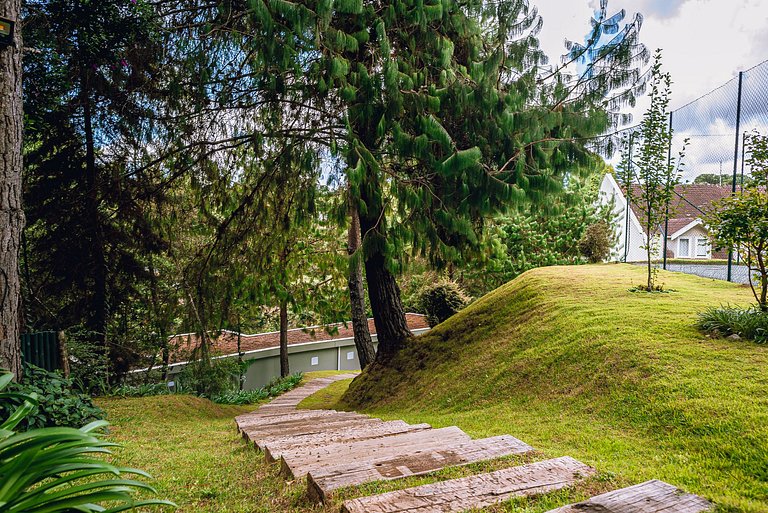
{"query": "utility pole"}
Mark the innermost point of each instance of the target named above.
(735, 164)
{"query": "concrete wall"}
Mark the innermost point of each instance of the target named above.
(338, 354)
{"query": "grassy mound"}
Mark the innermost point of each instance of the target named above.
(572, 362)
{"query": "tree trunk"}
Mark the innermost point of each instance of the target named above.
(284, 369)
(384, 294)
(365, 350)
(388, 313)
(98, 321)
(11, 213)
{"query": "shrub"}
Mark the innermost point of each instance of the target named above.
(749, 323)
(209, 378)
(55, 470)
(274, 388)
(143, 390)
(595, 244)
(89, 361)
(58, 402)
(441, 300)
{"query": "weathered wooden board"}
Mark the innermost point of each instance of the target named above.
(475, 491)
(300, 461)
(274, 446)
(321, 482)
(649, 497)
(294, 416)
(258, 435)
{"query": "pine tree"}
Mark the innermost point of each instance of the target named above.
(438, 110)
(11, 119)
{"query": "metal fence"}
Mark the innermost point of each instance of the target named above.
(713, 129)
(43, 349)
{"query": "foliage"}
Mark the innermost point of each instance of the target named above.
(89, 364)
(55, 469)
(741, 221)
(272, 389)
(209, 378)
(723, 180)
(657, 175)
(748, 323)
(142, 390)
(58, 403)
(442, 299)
(572, 363)
(595, 244)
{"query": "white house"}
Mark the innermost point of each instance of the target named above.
(686, 232)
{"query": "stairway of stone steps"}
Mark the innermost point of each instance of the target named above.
(333, 450)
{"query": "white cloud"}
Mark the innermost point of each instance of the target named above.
(705, 42)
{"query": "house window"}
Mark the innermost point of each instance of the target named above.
(702, 247)
(684, 248)
(315, 360)
(351, 355)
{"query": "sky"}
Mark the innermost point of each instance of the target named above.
(705, 44)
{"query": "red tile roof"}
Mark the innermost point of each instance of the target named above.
(226, 342)
(691, 201)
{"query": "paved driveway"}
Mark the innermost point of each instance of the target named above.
(716, 271)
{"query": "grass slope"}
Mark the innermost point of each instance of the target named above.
(570, 361)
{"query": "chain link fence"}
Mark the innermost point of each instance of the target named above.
(713, 130)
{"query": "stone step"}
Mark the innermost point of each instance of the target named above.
(475, 491)
(257, 435)
(323, 481)
(274, 446)
(300, 461)
(649, 497)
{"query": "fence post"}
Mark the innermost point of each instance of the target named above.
(627, 195)
(735, 164)
(666, 211)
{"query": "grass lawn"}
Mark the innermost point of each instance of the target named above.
(570, 361)
(566, 359)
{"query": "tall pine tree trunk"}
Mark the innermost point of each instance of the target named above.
(365, 350)
(384, 294)
(284, 368)
(98, 320)
(11, 213)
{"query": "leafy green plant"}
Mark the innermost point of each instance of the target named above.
(595, 245)
(58, 402)
(209, 377)
(143, 390)
(52, 470)
(274, 388)
(749, 323)
(441, 300)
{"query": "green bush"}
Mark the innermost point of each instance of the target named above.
(143, 390)
(89, 361)
(595, 244)
(749, 323)
(274, 388)
(209, 378)
(58, 402)
(57, 470)
(441, 300)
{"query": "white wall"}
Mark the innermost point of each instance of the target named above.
(610, 191)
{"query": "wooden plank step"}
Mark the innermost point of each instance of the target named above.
(258, 435)
(649, 497)
(295, 416)
(475, 491)
(300, 461)
(274, 446)
(323, 481)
